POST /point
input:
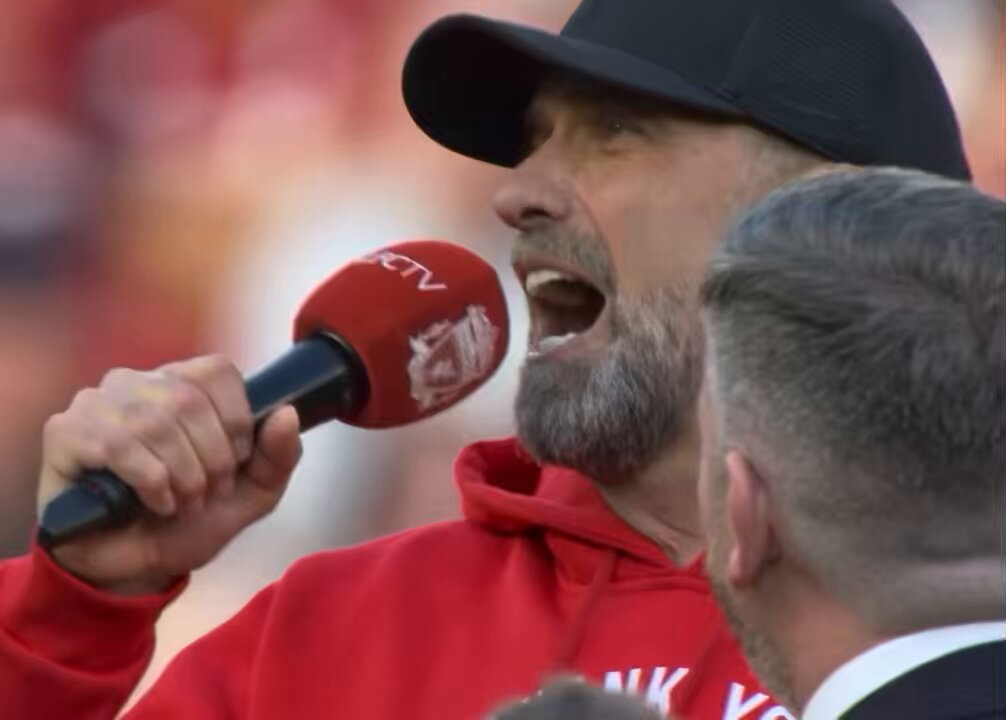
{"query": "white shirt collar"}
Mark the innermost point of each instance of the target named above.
(867, 673)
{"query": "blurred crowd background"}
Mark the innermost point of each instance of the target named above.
(176, 174)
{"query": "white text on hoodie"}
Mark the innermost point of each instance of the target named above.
(738, 704)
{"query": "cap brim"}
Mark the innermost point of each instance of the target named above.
(468, 81)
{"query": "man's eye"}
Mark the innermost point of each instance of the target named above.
(613, 125)
(616, 125)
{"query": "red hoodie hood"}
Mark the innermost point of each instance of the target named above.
(504, 489)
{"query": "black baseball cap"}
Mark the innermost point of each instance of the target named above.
(850, 79)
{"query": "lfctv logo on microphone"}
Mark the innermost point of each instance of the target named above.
(406, 267)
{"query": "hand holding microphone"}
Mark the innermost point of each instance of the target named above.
(148, 476)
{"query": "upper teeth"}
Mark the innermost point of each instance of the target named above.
(548, 344)
(537, 279)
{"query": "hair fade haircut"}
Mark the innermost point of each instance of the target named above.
(855, 322)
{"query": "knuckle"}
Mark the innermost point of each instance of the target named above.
(192, 482)
(84, 399)
(118, 376)
(222, 465)
(185, 400)
(149, 479)
(150, 424)
(156, 477)
(219, 365)
(95, 451)
(115, 444)
(208, 370)
(240, 425)
(54, 428)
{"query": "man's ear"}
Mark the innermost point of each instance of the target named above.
(754, 544)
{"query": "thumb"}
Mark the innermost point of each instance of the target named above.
(277, 450)
(264, 478)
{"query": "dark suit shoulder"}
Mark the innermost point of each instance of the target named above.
(969, 684)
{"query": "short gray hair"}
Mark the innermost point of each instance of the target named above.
(856, 325)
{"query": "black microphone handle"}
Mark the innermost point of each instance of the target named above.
(320, 375)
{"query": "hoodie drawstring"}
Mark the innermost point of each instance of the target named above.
(685, 694)
(575, 631)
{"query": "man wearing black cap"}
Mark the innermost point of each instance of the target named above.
(635, 135)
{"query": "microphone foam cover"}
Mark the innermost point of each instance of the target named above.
(427, 319)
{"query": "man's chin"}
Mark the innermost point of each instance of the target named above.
(611, 412)
(562, 420)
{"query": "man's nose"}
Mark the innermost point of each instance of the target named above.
(533, 192)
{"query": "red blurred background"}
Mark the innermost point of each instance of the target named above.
(175, 174)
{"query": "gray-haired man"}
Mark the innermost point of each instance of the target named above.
(853, 423)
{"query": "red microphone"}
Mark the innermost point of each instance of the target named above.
(427, 320)
(390, 338)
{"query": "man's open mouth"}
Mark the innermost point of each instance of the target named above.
(564, 305)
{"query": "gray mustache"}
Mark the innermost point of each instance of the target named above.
(587, 253)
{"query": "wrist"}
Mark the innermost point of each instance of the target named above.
(137, 587)
(69, 562)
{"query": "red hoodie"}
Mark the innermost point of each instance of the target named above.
(442, 622)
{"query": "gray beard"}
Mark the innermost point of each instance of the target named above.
(609, 419)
